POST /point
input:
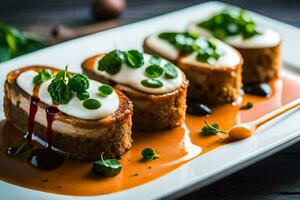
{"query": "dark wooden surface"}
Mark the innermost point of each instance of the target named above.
(277, 177)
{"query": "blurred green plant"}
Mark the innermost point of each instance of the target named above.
(14, 43)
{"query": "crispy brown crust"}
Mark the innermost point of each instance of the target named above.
(110, 135)
(260, 64)
(212, 86)
(151, 112)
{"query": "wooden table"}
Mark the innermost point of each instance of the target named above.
(277, 177)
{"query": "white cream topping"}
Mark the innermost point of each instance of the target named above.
(163, 47)
(134, 77)
(267, 38)
(229, 57)
(74, 107)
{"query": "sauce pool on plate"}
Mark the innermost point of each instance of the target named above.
(175, 147)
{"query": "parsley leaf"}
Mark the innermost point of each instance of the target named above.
(155, 60)
(91, 104)
(134, 58)
(153, 71)
(79, 83)
(59, 89)
(105, 90)
(83, 96)
(170, 71)
(152, 83)
(42, 77)
(107, 167)
(188, 42)
(231, 22)
(149, 154)
(211, 129)
(111, 62)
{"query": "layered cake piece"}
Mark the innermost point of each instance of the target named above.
(258, 45)
(212, 67)
(68, 113)
(156, 87)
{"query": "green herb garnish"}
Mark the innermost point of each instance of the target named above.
(105, 90)
(211, 129)
(42, 77)
(153, 71)
(79, 83)
(59, 89)
(184, 41)
(14, 43)
(188, 42)
(149, 154)
(155, 60)
(170, 71)
(152, 83)
(229, 23)
(107, 167)
(62, 85)
(21, 149)
(91, 104)
(83, 96)
(134, 58)
(248, 106)
(111, 62)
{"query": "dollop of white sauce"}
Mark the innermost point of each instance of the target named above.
(134, 76)
(229, 58)
(267, 38)
(74, 107)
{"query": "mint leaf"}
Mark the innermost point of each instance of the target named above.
(111, 62)
(79, 83)
(134, 58)
(153, 71)
(105, 90)
(152, 83)
(42, 77)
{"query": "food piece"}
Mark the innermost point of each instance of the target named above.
(158, 95)
(212, 67)
(248, 106)
(76, 131)
(259, 46)
(107, 167)
(149, 154)
(211, 129)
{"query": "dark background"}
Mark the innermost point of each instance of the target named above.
(277, 177)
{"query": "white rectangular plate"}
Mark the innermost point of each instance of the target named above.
(201, 171)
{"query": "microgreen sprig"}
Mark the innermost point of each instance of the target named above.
(231, 22)
(112, 61)
(149, 154)
(213, 129)
(188, 42)
(107, 167)
(42, 76)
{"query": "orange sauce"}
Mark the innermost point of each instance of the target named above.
(176, 147)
